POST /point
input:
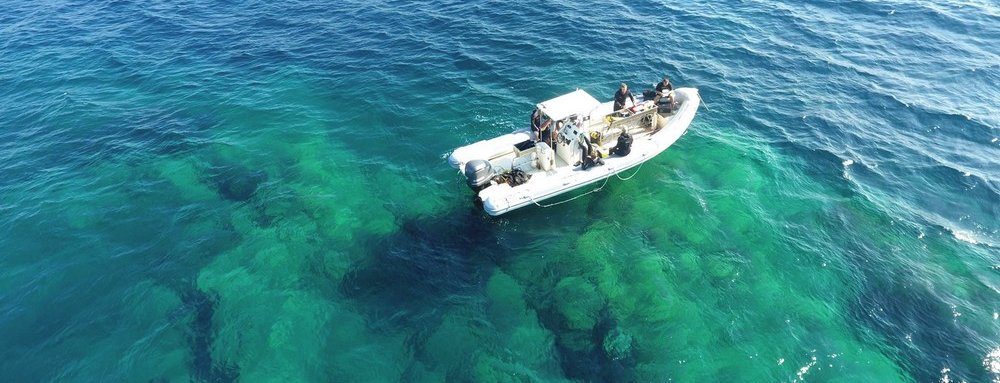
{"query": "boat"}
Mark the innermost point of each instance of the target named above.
(518, 169)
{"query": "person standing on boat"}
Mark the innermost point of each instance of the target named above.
(541, 130)
(663, 89)
(620, 96)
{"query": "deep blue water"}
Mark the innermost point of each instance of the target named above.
(247, 191)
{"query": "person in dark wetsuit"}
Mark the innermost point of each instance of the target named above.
(541, 131)
(620, 96)
(591, 155)
(663, 89)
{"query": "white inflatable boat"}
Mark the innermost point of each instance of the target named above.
(515, 170)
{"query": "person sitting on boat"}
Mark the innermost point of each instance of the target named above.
(541, 130)
(663, 90)
(620, 96)
(591, 150)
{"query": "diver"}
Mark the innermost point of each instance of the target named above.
(620, 96)
(624, 145)
(591, 150)
(664, 89)
(540, 130)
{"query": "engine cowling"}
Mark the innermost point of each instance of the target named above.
(478, 174)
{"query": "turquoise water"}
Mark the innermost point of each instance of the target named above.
(258, 191)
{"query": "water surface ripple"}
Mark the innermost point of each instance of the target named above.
(249, 191)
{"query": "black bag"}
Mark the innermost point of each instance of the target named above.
(524, 145)
(515, 177)
(648, 94)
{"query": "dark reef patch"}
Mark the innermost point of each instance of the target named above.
(202, 309)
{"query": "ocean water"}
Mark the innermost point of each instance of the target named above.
(257, 191)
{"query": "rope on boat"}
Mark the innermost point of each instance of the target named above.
(633, 174)
(571, 199)
(592, 191)
(703, 102)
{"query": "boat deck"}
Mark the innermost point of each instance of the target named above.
(652, 132)
(525, 160)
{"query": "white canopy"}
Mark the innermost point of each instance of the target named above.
(575, 102)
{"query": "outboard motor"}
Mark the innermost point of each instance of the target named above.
(478, 174)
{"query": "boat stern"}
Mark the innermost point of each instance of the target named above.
(495, 199)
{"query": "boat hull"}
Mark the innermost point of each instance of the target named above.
(544, 185)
